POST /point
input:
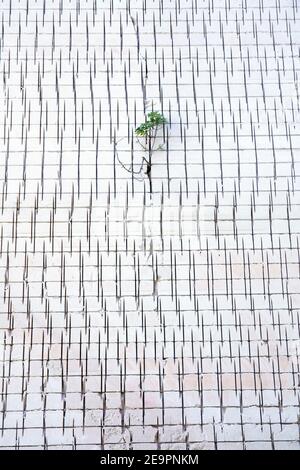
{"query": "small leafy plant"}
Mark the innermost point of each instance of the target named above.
(154, 121)
(148, 131)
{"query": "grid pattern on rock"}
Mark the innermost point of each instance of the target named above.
(131, 320)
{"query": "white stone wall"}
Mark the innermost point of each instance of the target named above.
(131, 321)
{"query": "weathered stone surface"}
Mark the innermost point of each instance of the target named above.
(131, 320)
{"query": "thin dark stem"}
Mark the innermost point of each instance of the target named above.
(130, 168)
(150, 153)
(140, 143)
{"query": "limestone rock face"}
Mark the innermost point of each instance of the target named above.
(138, 319)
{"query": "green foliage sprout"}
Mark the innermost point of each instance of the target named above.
(148, 130)
(154, 120)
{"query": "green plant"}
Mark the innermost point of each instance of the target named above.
(154, 121)
(148, 131)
